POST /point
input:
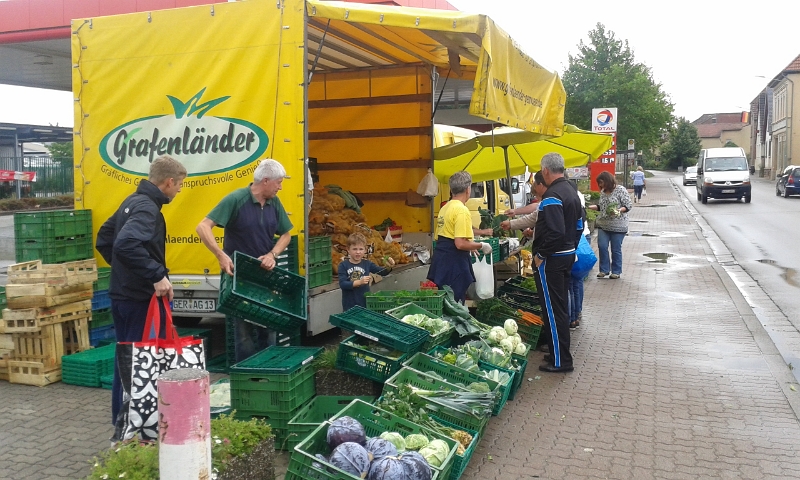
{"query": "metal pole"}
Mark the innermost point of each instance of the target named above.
(18, 163)
(508, 178)
(184, 424)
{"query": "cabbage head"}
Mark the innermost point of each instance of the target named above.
(346, 429)
(520, 349)
(507, 344)
(387, 468)
(416, 467)
(435, 452)
(415, 441)
(396, 439)
(380, 448)
(497, 334)
(351, 458)
(510, 326)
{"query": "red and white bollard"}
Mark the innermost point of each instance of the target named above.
(184, 425)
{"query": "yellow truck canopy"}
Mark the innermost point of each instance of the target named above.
(509, 86)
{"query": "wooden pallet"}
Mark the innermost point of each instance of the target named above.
(60, 274)
(4, 357)
(33, 319)
(52, 342)
(32, 373)
(42, 295)
(6, 342)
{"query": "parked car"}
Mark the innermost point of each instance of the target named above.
(690, 175)
(788, 182)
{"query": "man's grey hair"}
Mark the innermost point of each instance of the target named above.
(553, 162)
(460, 182)
(269, 169)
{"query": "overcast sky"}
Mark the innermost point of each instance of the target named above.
(705, 53)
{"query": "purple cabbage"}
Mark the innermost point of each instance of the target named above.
(380, 448)
(416, 467)
(346, 429)
(351, 458)
(387, 468)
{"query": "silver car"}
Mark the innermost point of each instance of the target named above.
(690, 175)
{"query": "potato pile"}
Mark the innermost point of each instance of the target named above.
(328, 216)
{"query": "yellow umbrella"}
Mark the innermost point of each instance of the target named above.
(507, 151)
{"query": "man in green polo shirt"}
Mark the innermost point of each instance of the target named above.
(251, 216)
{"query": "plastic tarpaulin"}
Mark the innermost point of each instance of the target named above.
(509, 86)
(484, 156)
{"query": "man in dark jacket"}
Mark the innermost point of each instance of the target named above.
(555, 239)
(133, 242)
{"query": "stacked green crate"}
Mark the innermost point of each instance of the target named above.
(55, 236)
(320, 266)
(274, 384)
(287, 260)
(88, 367)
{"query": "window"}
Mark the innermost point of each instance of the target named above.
(477, 190)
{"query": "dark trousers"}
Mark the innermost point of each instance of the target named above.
(129, 319)
(552, 280)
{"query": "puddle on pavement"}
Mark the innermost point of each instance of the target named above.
(639, 221)
(656, 235)
(658, 257)
(655, 205)
(790, 275)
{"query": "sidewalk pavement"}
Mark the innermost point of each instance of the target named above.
(674, 377)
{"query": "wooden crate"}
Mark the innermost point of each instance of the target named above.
(43, 295)
(59, 274)
(4, 357)
(33, 319)
(6, 342)
(32, 373)
(49, 344)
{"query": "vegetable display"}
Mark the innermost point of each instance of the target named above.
(434, 326)
(529, 284)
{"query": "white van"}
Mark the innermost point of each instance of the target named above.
(723, 173)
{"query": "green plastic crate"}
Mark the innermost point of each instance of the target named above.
(287, 260)
(272, 298)
(365, 363)
(519, 377)
(107, 381)
(414, 309)
(375, 422)
(381, 328)
(58, 250)
(453, 375)
(103, 279)
(311, 415)
(278, 421)
(430, 300)
(320, 274)
(505, 389)
(460, 462)
(101, 318)
(495, 243)
(517, 282)
(277, 380)
(86, 368)
(420, 380)
(3, 301)
(319, 249)
(52, 224)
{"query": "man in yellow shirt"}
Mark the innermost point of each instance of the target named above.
(451, 263)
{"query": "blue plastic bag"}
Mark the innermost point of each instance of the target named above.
(585, 259)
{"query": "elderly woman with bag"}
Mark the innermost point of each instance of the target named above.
(612, 224)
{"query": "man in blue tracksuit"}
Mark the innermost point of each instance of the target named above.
(558, 229)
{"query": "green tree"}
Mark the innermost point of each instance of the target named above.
(604, 73)
(61, 151)
(682, 147)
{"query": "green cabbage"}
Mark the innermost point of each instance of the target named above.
(415, 441)
(396, 439)
(435, 452)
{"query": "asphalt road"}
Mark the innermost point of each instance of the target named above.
(761, 236)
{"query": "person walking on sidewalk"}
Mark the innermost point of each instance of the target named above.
(639, 184)
(554, 240)
(133, 241)
(612, 224)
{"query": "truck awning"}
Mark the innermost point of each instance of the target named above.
(509, 86)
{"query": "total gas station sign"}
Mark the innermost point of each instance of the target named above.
(604, 120)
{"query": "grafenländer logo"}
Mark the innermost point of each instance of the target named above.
(604, 120)
(204, 145)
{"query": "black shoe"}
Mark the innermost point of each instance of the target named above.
(548, 358)
(574, 325)
(553, 369)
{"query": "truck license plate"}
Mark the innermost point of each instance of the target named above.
(194, 305)
(729, 191)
